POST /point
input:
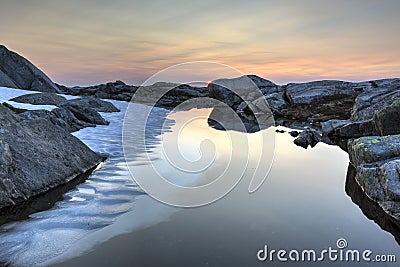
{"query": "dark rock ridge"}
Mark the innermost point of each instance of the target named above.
(113, 90)
(170, 94)
(18, 72)
(36, 155)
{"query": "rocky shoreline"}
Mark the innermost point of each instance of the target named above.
(37, 150)
(362, 118)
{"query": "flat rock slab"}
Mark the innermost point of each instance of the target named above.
(40, 99)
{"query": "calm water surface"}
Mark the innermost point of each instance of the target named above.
(109, 221)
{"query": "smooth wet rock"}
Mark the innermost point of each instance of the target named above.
(18, 72)
(40, 99)
(39, 156)
(308, 137)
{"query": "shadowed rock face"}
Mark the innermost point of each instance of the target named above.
(36, 155)
(376, 111)
(18, 72)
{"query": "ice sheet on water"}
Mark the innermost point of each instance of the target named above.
(91, 212)
(9, 93)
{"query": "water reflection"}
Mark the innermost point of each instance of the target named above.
(370, 208)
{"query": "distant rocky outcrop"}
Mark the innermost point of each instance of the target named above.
(113, 90)
(168, 95)
(18, 72)
(36, 155)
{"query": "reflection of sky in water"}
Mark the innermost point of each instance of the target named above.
(301, 205)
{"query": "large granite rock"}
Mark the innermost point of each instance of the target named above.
(369, 149)
(311, 92)
(369, 207)
(376, 95)
(376, 111)
(18, 72)
(387, 120)
(245, 88)
(255, 100)
(377, 162)
(36, 155)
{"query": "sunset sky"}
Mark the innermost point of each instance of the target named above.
(90, 42)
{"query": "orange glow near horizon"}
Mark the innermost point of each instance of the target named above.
(282, 41)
